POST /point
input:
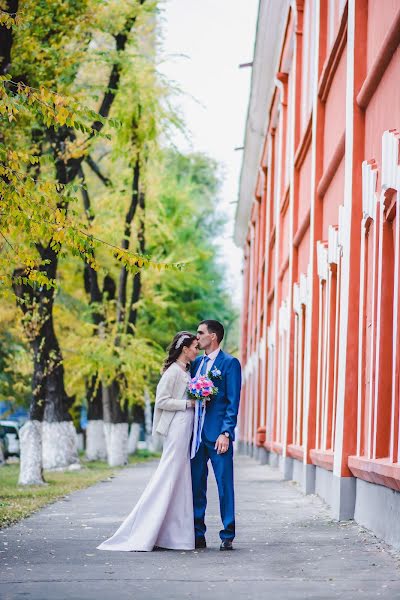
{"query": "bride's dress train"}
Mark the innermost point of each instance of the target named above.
(163, 515)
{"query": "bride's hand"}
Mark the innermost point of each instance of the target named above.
(190, 403)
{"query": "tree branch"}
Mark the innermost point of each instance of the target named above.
(137, 278)
(115, 75)
(6, 38)
(96, 170)
(108, 98)
(90, 276)
(123, 278)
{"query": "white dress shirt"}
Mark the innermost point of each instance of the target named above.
(212, 356)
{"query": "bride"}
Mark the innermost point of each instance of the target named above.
(163, 516)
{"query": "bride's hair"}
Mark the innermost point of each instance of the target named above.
(182, 338)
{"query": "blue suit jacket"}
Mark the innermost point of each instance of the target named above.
(222, 409)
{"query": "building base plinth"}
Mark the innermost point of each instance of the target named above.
(343, 498)
(240, 447)
(378, 508)
(324, 484)
(286, 467)
(263, 456)
(308, 483)
(273, 460)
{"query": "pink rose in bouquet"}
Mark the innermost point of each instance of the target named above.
(201, 388)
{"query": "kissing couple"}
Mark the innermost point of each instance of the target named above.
(196, 428)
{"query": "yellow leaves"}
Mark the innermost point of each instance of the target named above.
(59, 100)
(59, 235)
(134, 262)
(74, 149)
(45, 94)
(50, 106)
(59, 216)
(36, 212)
(9, 20)
(29, 262)
(12, 156)
(14, 159)
(61, 116)
(8, 105)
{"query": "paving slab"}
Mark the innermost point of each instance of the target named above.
(287, 548)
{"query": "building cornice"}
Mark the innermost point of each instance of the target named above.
(271, 27)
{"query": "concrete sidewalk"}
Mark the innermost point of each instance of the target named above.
(287, 548)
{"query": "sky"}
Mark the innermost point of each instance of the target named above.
(204, 41)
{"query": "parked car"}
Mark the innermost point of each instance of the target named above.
(3, 442)
(12, 433)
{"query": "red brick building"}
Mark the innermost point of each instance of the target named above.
(317, 219)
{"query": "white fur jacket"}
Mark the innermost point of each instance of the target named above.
(170, 397)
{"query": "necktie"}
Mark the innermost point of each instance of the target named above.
(199, 413)
(204, 369)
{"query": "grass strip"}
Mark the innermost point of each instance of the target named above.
(18, 502)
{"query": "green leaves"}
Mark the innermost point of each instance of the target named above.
(73, 70)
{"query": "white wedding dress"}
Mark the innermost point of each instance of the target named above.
(163, 515)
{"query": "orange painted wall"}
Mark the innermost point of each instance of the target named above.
(335, 111)
(332, 200)
(304, 253)
(383, 111)
(313, 213)
(284, 236)
(381, 14)
(304, 187)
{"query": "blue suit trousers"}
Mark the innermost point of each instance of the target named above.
(223, 470)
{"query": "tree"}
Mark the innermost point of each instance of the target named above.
(43, 206)
(185, 221)
(73, 133)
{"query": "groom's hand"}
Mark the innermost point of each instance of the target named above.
(222, 444)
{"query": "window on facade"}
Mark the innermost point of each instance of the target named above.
(308, 70)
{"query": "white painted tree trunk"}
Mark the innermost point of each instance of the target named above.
(133, 439)
(148, 420)
(117, 443)
(60, 445)
(2, 458)
(96, 448)
(80, 442)
(154, 443)
(30, 439)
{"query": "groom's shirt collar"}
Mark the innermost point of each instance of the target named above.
(212, 356)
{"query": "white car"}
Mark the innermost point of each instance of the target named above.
(12, 428)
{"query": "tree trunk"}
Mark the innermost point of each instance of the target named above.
(50, 402)
(134, 434)
(31, 432)
(116, 415)
(115, 425)
(60, 445)
(96, 448)
(153, 442)
(137, 278)
(130, 215)
(95, 439)
(6, 39)
(30, 440)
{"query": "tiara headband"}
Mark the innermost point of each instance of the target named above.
(181, 340)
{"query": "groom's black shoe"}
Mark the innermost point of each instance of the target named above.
(226, 545)
(200, 543)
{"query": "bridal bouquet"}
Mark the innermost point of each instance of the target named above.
(201, 388)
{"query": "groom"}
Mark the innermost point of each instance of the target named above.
(218, 433)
